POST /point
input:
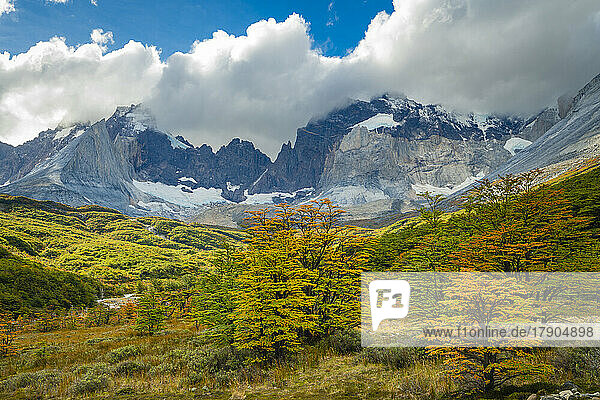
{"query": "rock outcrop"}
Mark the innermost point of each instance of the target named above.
(569, 391)
(574, 138)
(402, 148)
(87, 170)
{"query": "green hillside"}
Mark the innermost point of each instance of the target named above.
(105, 244)
(25, 285)
(273, 312)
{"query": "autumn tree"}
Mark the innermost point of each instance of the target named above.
(9, 328)
(510, 225)
(483, 369)
(434, 208)
(515, 224)
(211, 304)
(300, 279)
(477, 302)
(433, 242)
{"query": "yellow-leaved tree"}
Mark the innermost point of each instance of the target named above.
(299, 279)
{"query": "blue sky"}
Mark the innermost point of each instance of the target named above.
(174, 25)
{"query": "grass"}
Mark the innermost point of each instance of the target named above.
(111, 362)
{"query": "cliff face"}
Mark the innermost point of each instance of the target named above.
(301, 165)
(378, 165)
(540, 124)
(87, 170)
(574, 138)
(402, 145)
(160, 157)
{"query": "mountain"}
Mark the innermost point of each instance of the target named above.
(126, 163)
(88, 169)
(304, 164)
(159, 157)
(372, 157)
(375, 157)
(570, 143)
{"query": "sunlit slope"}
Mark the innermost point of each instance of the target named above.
(104, 243)
(581, 186)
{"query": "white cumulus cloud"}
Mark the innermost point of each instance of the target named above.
(54, 83)
(7, 6)
(501, 56)
(102, 38)
(508, 56)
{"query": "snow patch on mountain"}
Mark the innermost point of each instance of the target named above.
(140, 119)
(270, 198)
(231, 187)
(421, 188)
(353, 194)
(264, 198)
(185, 178)
(176, 144)
(378, 121)
(181, 194)
(63, 133)
(516, 144)
(154, 207)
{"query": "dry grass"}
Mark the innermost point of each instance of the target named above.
(76, 364)
(80, 360)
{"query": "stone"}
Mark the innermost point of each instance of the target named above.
(565, 394)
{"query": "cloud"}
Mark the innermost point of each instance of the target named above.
(6, 6)
(53, 83)
(512, 56)
(58, 1)
(102, 38)
(332, 15)
(269, 81)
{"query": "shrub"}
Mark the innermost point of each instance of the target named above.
(130, 367)
(94, 341)
(125, 391)
(220, 365)
(579, 361)
(213, 360)
(165, 368)
(44, 381)
(150, 314)
(394, 357)
(97, 368)
(122, 353)
(38, 358)
(95, 378)
(343, 342)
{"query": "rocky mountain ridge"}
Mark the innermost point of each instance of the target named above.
(573, 140)
(373, 157)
